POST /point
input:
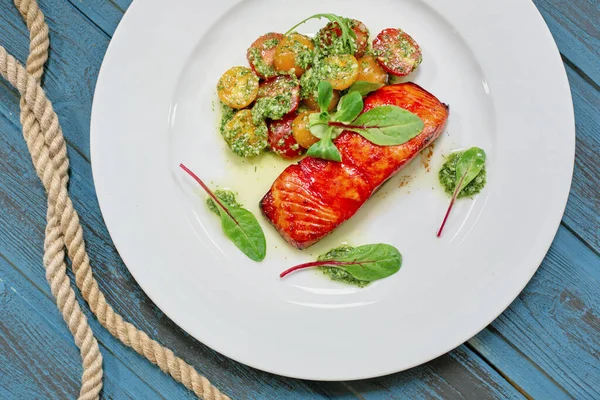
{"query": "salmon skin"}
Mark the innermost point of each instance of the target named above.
(311, 198)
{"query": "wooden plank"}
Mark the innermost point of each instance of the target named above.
(583, 210)
(105, 14)
(517, 368)
(456, 375)
(574, 25)
(555, 324)
(38, 357)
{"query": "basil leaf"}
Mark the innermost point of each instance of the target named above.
(364, 263)
(324, 149)
(387, 125)
(364, 87)
(241, 226)
(325, 95)
(469, 165)
(349, 107)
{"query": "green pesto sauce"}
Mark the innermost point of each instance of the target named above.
(324, 69)
(271, 43)
(245, 137)
(389, 54)
(275, 107)
(303, 55)
(309, 82)
(227, 197)
(271, 107)
(262, 68)
(246, 145)
(328, 43)
(226, 115)
(447, 177)
(250, 84)
(338, 274)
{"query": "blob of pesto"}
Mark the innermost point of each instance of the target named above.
(447, 178)
(245, 137)
(338, 274)
(226, 197)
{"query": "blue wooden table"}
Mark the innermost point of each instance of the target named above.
(546, 345)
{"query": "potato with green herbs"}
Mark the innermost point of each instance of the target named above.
(245, 137)
(238, 87)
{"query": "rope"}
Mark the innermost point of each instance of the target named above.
(46, 144)
(54, 255)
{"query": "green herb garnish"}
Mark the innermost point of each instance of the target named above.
(348, 36)
(226, 116)
(364, 88)
(447, 177)
(364, 264)
(238, 224)
(385, 125)
(318, 126)
(469, 165)
(349, 108)
(325, 95)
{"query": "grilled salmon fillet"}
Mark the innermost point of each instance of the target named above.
(311, 198)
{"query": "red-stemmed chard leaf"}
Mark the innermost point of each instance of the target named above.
(385, 125)
(469, 165)
(238, 224)
(365, 263)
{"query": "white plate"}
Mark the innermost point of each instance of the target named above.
(496, 65)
